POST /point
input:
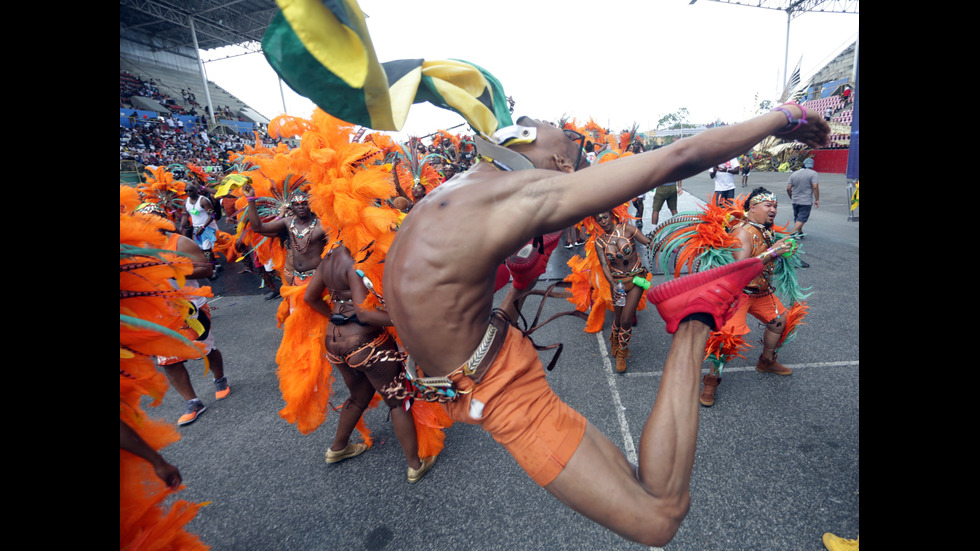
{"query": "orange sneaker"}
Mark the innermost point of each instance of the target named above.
(192, 411)
(221, 388)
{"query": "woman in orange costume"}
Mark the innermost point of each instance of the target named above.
(593, 281)
(151, 316)
(348, 186)
(615, 246)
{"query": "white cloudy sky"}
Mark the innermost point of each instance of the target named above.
(620, 62)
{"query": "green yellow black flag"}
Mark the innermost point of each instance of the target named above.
(322, 49)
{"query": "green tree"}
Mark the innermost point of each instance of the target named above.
(675, 120)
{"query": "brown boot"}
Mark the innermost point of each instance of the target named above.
(707, 397)
(614, 341)
(621, 356)
(772, 366)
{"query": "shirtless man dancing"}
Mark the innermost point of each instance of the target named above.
(306, 236)
(439, 285)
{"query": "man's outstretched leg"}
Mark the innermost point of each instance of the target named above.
(647, 504)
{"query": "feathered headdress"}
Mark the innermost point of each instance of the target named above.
(349, 189)
(414, 168)
(161, 188)
(627, 138)
(198, 171)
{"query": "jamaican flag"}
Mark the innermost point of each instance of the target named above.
(323, 51)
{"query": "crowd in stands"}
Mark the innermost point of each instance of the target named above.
(166, 139)
(131, 85)
(164, 142)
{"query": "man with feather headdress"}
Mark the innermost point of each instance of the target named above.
(755, 236)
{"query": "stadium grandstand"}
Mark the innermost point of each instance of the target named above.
(168, 112)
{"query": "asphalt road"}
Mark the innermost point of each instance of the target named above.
(777, 457)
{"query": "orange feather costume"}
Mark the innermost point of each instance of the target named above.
(349, 185)
(589, 288)
(151, 319)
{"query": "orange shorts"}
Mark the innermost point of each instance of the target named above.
(765, 308)
(521, 411)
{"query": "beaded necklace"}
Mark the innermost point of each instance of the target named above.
(766, 232)
(306, 232)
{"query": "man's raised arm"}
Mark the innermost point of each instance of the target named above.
(602, 187)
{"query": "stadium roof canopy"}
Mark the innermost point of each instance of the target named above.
(795, 8)
(165, 25)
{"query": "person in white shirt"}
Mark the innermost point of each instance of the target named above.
(724, 177)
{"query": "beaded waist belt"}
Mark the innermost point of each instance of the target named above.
(443, 389)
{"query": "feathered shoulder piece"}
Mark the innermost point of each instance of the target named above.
(703, 240)
(784, 281)
(151, 316)
(700, 239)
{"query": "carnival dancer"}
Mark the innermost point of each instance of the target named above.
(727, 233)
(198, 327)
(200, 214)
(162, 189)
(367, 357)
(346, 193)
(304, 374)
(623, 268)
(593, 286)
(306, 237)
(268, 254)
(448, 327)
(151, 318)
(438, 289)
(758, 237)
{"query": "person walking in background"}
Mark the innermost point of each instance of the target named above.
(665, 193)
(724, 177)
(804, 193)
(746, 167)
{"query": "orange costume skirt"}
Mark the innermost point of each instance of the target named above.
(765, 308)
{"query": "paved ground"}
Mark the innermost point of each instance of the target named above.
(777, 458)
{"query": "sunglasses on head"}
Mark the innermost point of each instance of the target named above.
(576, 137)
